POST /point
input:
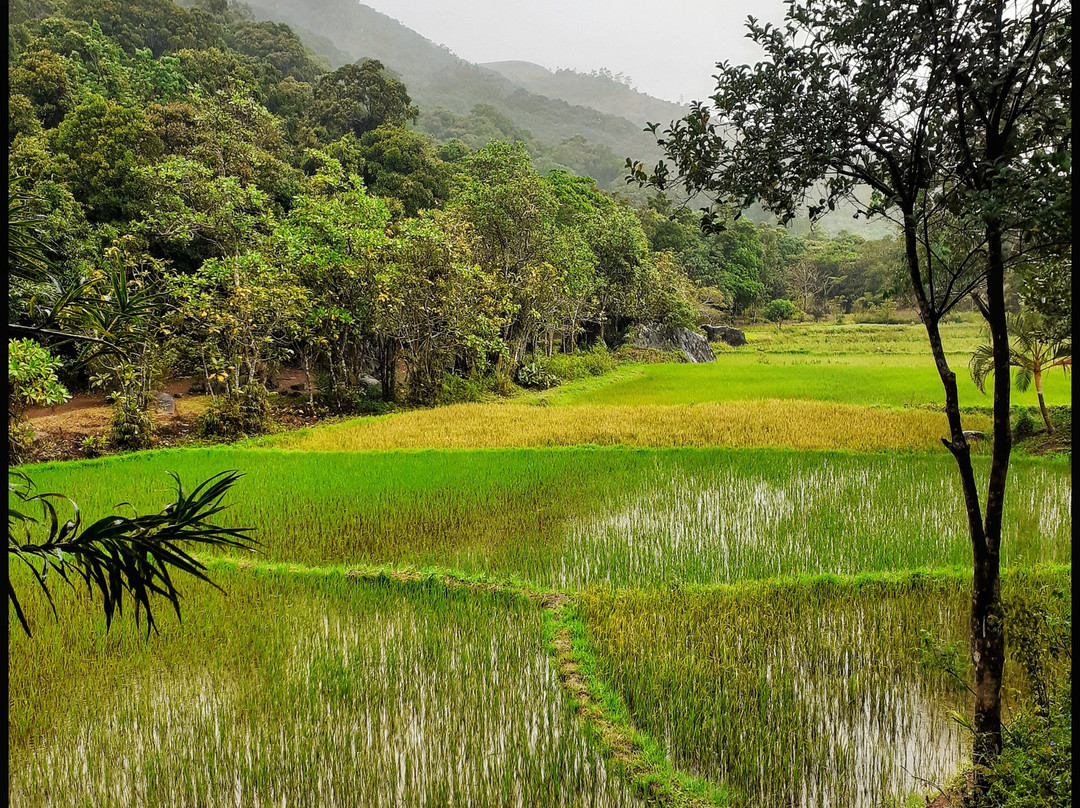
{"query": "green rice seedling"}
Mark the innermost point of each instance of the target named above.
(809, 692)
(571, 517)
(725, 517)
(299, 689)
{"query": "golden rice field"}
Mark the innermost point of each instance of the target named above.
(736, 424)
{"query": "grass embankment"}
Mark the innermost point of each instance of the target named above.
(298, 689)
(772, 423)
(577, 516)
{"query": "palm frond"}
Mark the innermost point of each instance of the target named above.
(981, 366)
(119, 556)
(1023, 377)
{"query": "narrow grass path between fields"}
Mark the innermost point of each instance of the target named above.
(640, 760)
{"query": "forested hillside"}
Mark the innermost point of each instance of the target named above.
(210, 197)
(602, 90)
(461, 99)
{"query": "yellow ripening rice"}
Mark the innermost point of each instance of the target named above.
(768, 423)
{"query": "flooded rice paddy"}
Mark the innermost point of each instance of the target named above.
(567, 518)
(783, 516)
(810, 694)
(302, 689)
(350, 693)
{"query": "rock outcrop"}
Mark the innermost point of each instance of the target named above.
(166, 403)
(726, 334)
(669, 338)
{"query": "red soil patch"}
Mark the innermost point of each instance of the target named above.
(60, 430)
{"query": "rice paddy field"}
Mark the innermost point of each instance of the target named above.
(300, 690)
(868, 380)
(740, 584)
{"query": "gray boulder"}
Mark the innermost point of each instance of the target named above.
(668, 338)
(166, 402)
(726, 334)
(370, 386)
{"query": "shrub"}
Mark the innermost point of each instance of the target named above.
(1035, 766)
(31, 381)
(240, 412)
(503, 385)
(32, 377)
(778, 311)
(534, 375)
(1024, 426)
(20, 439)
(456, 389)
(93, 446)
(132, 427)
(597, 361)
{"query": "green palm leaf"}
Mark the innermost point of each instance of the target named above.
(119, 556)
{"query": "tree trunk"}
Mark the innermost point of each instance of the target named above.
(987, 612)
(987, 615)
(1042, 403)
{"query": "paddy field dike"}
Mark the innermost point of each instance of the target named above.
(740, 583)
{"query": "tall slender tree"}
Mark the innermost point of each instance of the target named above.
(956, 115)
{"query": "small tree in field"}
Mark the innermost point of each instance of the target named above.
(779, 310)
(1033, 352)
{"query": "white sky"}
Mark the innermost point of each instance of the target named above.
(669, 49)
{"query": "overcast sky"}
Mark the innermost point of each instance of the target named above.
(668, 47)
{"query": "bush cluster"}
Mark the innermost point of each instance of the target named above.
(132, 427)
(239, 412)
(596, 361)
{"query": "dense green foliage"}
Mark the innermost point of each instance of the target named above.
(257, 210)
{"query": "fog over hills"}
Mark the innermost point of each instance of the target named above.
(437, 79)
(603, 92)
(588, 123)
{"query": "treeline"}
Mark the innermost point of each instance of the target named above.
(211, 200)
(264, 211)
(748, 265)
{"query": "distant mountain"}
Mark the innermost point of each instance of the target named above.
(599, 90)
(346, 31)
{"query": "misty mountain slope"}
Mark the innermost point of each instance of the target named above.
(438, 79)
(601, 92)
(587, 123)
